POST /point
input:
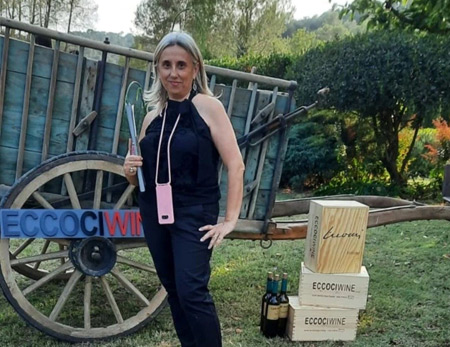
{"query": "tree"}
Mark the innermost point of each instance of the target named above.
(81, 14)
(431, 16)
(302, 41)
(76, 14)
(390, 79)
(220, 27)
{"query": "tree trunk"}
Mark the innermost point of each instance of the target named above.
(47, 13)
(33, 12)
(417, 126)
(387, 143)
(70, 16)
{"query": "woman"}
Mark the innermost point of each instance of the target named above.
(181, 141)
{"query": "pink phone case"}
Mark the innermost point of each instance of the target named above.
(164, 203)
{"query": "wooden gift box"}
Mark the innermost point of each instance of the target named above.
(336, 236)
(345, 290)
(310, 323)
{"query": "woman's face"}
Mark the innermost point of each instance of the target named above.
(177, 71)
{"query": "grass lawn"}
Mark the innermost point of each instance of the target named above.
(408, 305)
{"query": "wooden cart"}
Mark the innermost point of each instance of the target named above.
(62, 141)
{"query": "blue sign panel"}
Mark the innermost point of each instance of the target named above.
(70, 223)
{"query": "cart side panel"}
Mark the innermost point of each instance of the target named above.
(109, 108)
(38, 103)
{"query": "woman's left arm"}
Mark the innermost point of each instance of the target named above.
(225, 141)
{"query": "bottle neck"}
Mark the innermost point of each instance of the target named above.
(269, 285)
(284, 286)
(275, 287)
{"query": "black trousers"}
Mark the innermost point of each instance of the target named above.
(182, 264)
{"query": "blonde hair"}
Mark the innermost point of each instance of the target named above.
(157, 95)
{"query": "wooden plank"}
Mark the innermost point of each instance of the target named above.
(40, 257)
(3, 73)
(42, 65)
(8, 171)
(232, 97)
(135, 264)
(87, 100)
(47, 278)
(148, 75)
(230, 105)
(108, 111)
(129, 286)
(48, 118)
(261, 204)
(34, 131)
(98, 190)
(72, 192)
(250, 113)
(26, 104)
(119, 114)
(87, 302)
(65, 295)
(42, 201)
(76, 96)
(123, 198)
(111, 299)
(24, 245)
(212, 83)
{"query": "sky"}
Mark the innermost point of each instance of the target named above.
(118, 16)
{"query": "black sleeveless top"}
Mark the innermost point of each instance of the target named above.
(193, 156)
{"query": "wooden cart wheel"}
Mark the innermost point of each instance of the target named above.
(38, 276)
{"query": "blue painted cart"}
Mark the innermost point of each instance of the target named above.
(62, 141)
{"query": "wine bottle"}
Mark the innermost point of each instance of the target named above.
(272, 311)
(284, 307)
(265, 299)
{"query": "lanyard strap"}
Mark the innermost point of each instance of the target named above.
(168, 146)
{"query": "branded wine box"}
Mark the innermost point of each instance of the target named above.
(310, 323)
(346, 290)
(336, 236)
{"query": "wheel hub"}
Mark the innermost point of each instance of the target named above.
(93, 256)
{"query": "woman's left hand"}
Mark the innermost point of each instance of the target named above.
(216, 232)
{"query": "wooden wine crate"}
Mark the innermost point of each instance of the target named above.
(336, 236)
(309, 323)
(345, 290)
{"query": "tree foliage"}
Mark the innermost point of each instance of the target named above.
(430, 16)
(312, 155)
(392, 80)
(70, 14)
(330, 23)
(220, 27)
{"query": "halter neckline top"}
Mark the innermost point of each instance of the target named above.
(194, 157)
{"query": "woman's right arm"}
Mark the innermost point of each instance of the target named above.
(134, 161)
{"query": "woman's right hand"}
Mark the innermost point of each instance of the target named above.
(132, 162)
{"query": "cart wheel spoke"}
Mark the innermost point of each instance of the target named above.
(48, 278)
(87, 302)
(72, 192)
(24, 245)
(65, 295)
(128, 285)
(130, 245)
(98, 190)
(123, 198)
(41, 200)
(135, 264)
(111, 300)
(40, 257)
(44, 250)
